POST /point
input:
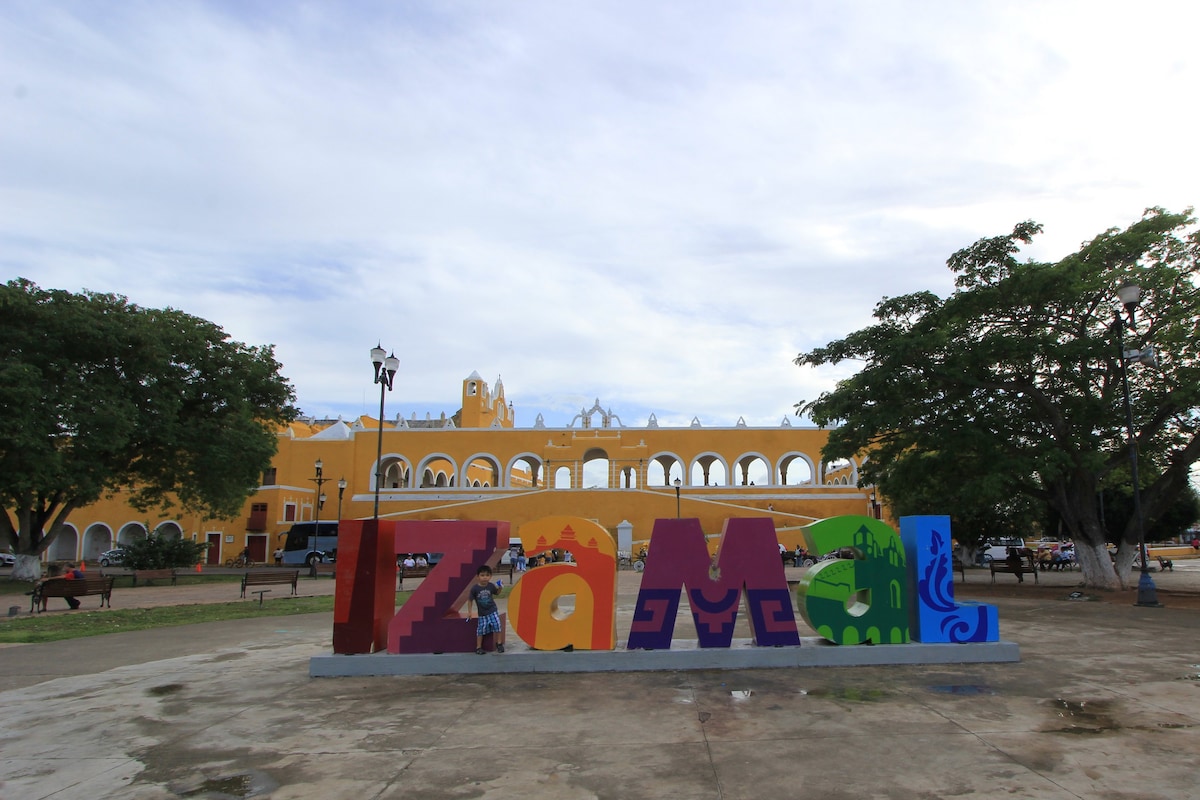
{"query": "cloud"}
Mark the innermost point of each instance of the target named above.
(657, 206)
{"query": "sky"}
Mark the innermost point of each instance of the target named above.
(656, 206)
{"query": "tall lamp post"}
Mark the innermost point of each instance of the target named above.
(678, 483)
(320, 481)
(341, 491)
(1131, 297)
(385, 372)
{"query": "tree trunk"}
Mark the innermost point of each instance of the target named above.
(27, 568)
(1126, 554)
(1097, 567)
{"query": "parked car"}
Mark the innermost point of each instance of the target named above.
(7, 559)
(998, 551)
(111, 558)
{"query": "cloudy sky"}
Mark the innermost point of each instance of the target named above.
(657, 205)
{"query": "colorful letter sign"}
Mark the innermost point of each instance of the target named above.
(860, 599)
(892, 585)
(936, 617)
(591, 577)
(747, 559)
(430, 621)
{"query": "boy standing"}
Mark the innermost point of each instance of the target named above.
(484, 594)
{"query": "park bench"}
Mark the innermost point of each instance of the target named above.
(148, 575)
(1165, 564)
(79, 587)
(270, 577)
(319, 568)
(1021, 569)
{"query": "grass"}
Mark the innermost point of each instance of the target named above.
(54, 627)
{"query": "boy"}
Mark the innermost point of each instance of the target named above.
(484, 594)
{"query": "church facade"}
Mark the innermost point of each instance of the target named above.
(476, 464)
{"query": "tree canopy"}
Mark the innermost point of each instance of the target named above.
(1011, 386)
(102, 395)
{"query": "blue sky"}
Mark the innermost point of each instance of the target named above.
(653, 205)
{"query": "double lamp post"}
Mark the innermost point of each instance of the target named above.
(1130, 296)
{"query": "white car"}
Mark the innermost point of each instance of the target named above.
(998, 552)
(7, 559)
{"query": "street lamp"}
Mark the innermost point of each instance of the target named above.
(341, 491)
(385, 372)
(1130, 296)
(678, 483)
(320, 481)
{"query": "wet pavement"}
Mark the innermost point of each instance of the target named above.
(1105, 703)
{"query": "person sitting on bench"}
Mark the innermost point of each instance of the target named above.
(1016, 563)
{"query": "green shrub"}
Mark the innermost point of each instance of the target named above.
(161, 552)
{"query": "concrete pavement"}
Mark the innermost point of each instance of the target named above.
(1105, 703)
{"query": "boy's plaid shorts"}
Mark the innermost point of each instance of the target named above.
(489, 623)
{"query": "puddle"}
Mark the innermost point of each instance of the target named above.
(242, 784)
(963, 689)
(1082, 716)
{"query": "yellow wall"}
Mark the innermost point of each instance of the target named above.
(512, 466)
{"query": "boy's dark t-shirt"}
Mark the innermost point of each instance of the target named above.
(484, 598)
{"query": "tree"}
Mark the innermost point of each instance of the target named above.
(101, 395)
(1018, 373)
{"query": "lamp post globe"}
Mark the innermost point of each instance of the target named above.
(385, 373)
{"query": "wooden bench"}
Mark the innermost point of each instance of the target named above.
(101, 585)
(1004, 566)
(962, 569)
(1165, 564)
(319, 568)
(270, 577)
(148, 575)
(411, 572)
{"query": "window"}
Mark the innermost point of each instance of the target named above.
(269, 477)
(289, 512)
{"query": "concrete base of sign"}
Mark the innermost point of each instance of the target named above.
(683, 655)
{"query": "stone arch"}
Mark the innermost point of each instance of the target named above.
(534, 465)
(65, 546)
(168, 530)
(663, 469)
(629, 475)
(839, 473)
(97, 538)
(789, 467)
(597, 469)
(562, 477)
(443, 469)
(131, 532)
(703, 468)
(752, 468)
(481, 469)
(397, 472)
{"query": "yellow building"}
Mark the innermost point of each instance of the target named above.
(476, 464)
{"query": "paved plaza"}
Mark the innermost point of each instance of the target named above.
(1105, 703)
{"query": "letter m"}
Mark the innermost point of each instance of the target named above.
(747, 561)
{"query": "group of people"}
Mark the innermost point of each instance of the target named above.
(1058, 558)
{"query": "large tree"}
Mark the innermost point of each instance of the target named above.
(1018, 370)
(101, 395)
